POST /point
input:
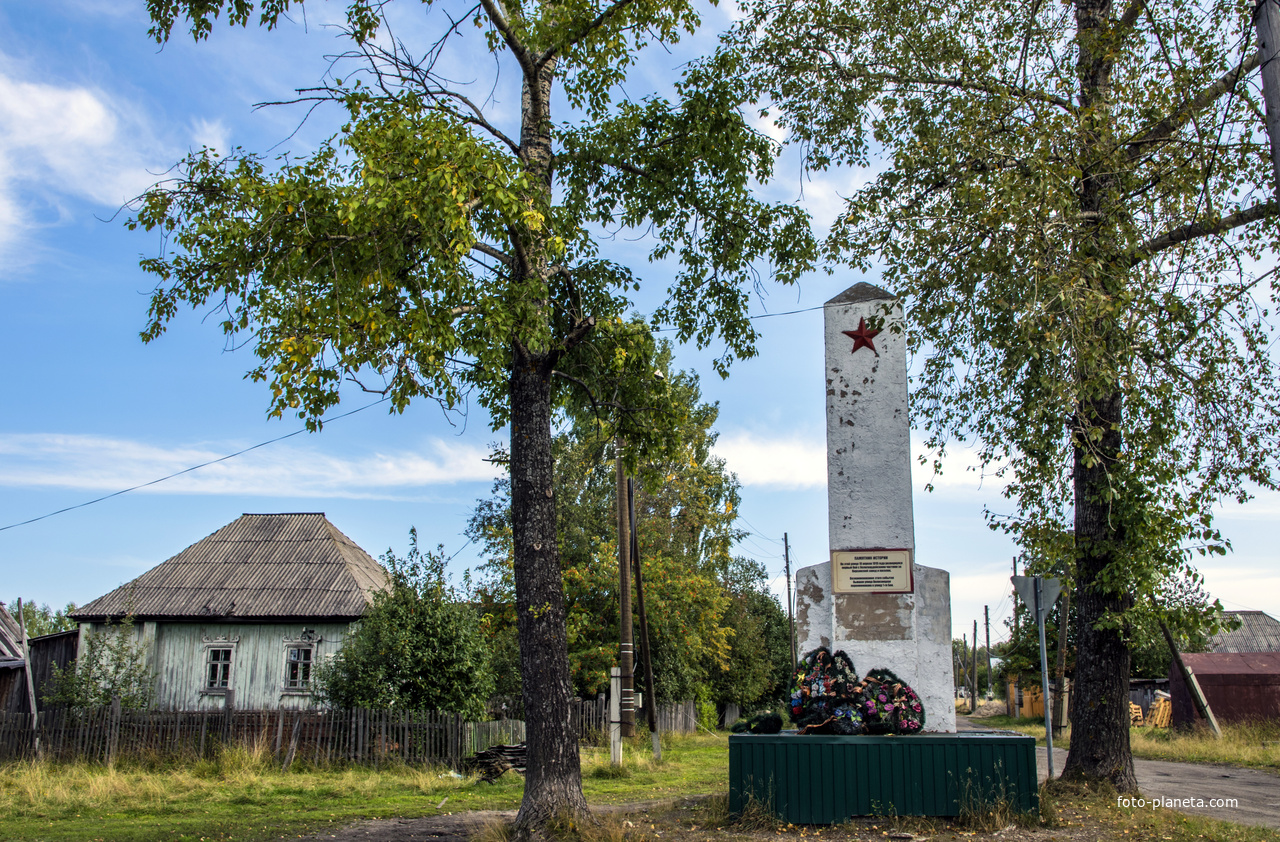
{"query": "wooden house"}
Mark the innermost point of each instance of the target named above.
(1257, 632)
(245, 613)
(13, 677)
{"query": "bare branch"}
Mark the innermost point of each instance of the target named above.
(579, 333)
(1195, 230)
(498, 17)
(1131, 13)
(486, 249)
(990, 86)
(595, 405)
(1164, 130)
(573, 38)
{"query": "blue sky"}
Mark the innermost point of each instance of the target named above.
(92, 112)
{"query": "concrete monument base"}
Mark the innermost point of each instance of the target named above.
(908, 633)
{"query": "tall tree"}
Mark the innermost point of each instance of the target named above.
(441, 245)
(1075, 206)
(686, 507)
(41, 619)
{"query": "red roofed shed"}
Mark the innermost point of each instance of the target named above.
(1239, 686)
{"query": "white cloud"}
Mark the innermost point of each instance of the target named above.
(95, 463)
(66, 141)
(775, 462)
(796, 462)
(212, 134)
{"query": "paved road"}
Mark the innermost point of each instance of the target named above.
(1193, 785)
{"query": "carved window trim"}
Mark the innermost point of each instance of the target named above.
(217, 684)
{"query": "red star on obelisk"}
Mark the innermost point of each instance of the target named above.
(862, 337)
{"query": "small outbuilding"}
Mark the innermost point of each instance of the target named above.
(246, 612)
(1239, 686)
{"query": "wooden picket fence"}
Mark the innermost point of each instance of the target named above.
(320, 737)
(680, 718)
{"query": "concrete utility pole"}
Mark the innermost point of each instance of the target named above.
(626, 641)
(1193, 686)
(1266, 19)
(986, 619)
(791, 619)
(973, 700)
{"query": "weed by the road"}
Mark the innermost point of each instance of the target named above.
(1253, 744)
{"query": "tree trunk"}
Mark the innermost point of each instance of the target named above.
(553, 778)
(1100, 709)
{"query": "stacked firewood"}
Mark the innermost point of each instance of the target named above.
(495, 761)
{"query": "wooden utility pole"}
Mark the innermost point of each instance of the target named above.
(651, 700)
(1266, 19)
(1060, 669)
(626, 644)
(791, 619)
(1193, 686)
(31, 684)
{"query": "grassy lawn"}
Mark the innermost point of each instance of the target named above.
(1256, 745)
(243, 796)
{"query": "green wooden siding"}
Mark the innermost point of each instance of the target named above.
(177, 653)
(827, 779)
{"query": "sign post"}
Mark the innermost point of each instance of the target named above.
(1041, 593)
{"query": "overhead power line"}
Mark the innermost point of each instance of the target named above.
(188, 470)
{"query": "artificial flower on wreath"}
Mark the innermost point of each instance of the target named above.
(824, 696)
(889, 705)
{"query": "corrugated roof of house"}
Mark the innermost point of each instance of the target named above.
(258, 567)
(1258, 632)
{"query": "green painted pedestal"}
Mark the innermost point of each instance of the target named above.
(827, 779)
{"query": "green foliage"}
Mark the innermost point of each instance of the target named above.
(759, 665)
(419, 646)
(1060, 245)
(112, 662)
(1076, 208)
(357, 260)
(41, 619)
(1181, 603)
(712, 622)
(424, 252)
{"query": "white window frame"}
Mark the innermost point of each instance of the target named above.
(307, 641)
(227, 644)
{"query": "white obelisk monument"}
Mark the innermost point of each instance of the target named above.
(872, 599)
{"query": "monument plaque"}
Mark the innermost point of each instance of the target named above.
(871, 571)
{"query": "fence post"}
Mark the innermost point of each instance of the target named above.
(228, 714)
(113, 731)
(293, 740)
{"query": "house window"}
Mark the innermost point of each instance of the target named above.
(297, 668)
(218, 672)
